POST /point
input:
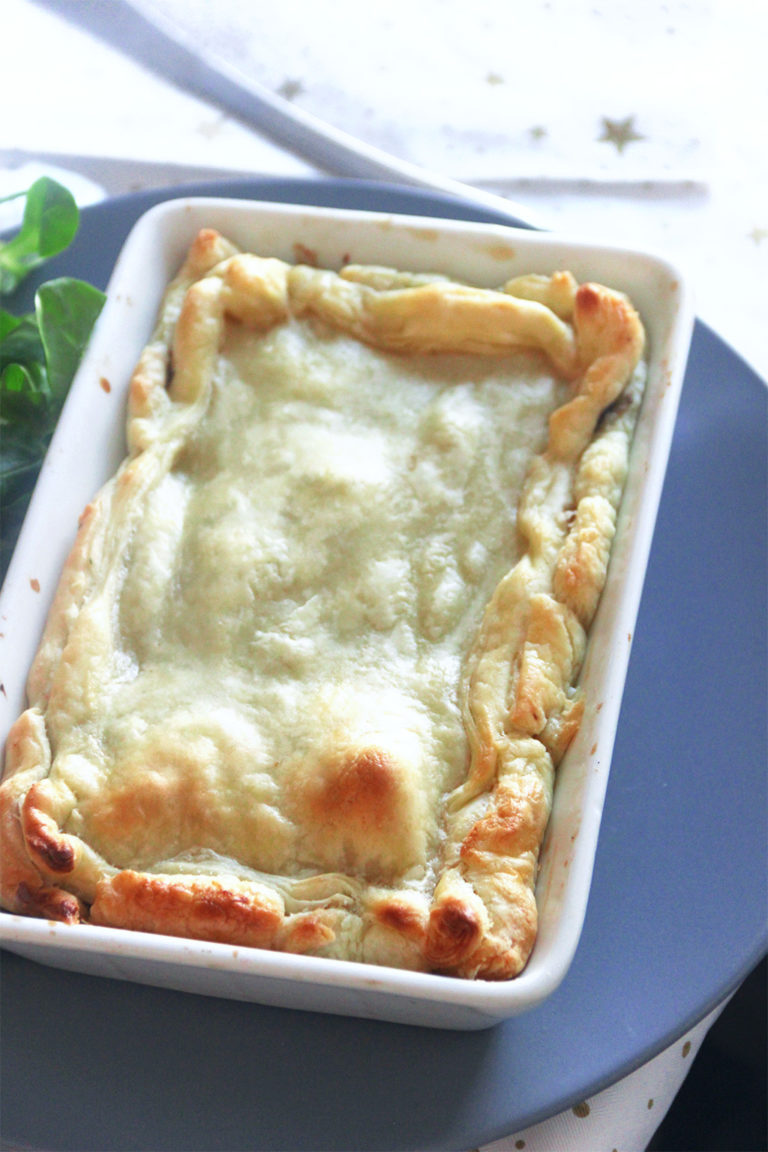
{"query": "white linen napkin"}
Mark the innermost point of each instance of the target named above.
(562, 91)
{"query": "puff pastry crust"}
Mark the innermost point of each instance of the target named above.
(314, 656)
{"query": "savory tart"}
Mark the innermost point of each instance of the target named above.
(314, 656)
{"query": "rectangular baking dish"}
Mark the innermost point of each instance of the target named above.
(88, 446)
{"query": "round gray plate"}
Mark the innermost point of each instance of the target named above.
(677, 912)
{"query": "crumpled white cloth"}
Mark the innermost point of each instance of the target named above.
(563, 90)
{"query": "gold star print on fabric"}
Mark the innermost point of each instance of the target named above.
(620, 132)
(290, 89)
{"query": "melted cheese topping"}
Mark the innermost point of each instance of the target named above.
(308, 574)
(313, 658)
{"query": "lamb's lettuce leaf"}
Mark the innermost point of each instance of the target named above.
(40, 350)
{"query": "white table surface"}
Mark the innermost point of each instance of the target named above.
(642, 125)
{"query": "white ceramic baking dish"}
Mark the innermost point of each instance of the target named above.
(88, 446)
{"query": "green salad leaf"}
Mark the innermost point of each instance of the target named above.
(49, 226)
(39, 350)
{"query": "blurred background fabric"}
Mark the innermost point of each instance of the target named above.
(637, 124)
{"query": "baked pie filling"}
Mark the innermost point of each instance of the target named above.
(314, 656)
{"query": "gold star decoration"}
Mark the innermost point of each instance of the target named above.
(290, 89)
(620, 132)
(757, 235)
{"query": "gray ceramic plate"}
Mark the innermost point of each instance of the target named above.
(677, 912)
